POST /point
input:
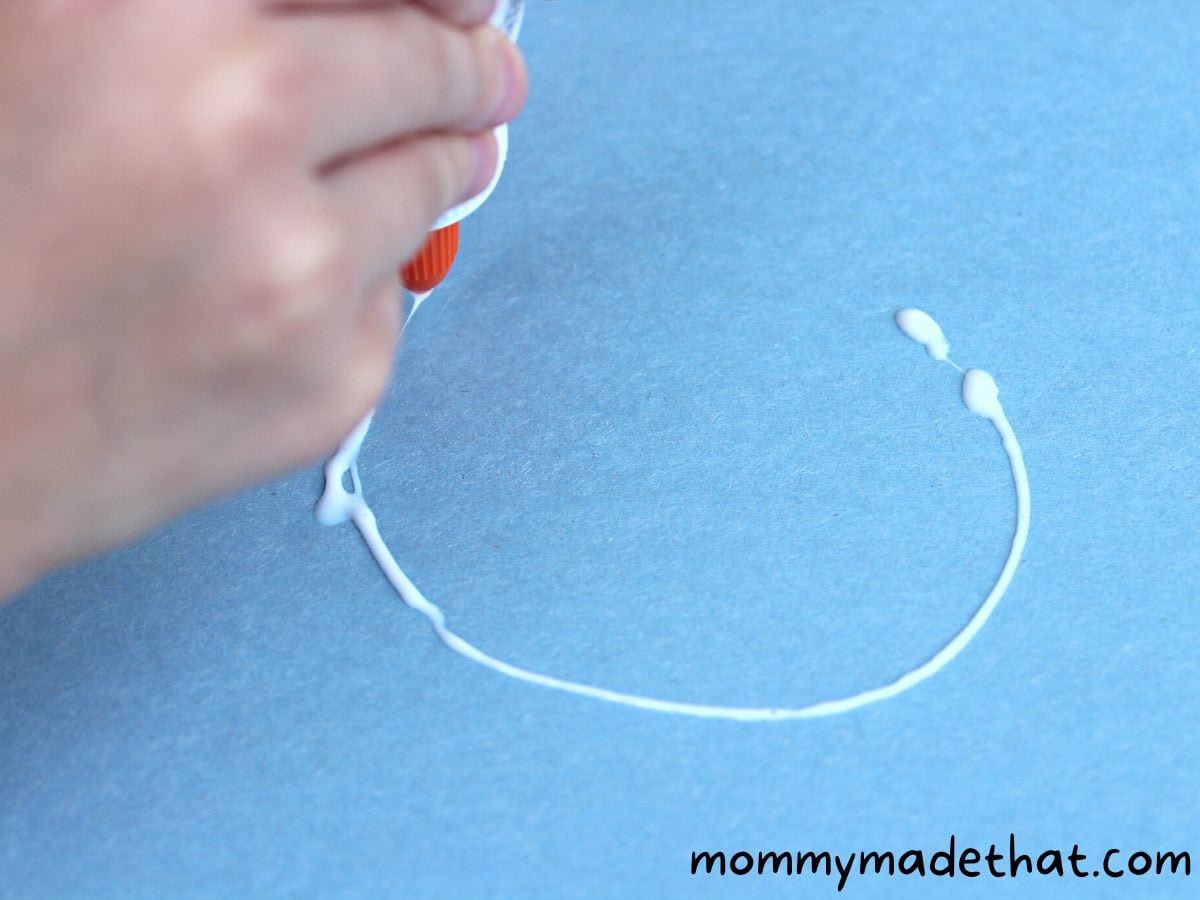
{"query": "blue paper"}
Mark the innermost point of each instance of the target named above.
(658, 432)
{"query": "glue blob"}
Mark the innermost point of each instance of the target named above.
(919, 326)
(979, 393)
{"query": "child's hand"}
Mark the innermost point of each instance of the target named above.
(202, 210)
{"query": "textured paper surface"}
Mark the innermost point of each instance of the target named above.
(659, 432)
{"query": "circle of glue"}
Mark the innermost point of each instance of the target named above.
(979, 394)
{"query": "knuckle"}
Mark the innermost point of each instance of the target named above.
(304, 271)
(245, 109)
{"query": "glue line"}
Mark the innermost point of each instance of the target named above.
(979, 394)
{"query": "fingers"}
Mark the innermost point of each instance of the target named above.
(391, 198)
(363, 78)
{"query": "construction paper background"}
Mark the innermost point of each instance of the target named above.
(659, 433)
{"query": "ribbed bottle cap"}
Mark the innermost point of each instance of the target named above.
(426, 270)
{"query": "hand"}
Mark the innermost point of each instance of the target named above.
(202, 210)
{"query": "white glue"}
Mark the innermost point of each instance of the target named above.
(981, 396)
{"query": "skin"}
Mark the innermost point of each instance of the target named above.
(202, 210)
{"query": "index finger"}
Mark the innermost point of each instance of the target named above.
(397, 71)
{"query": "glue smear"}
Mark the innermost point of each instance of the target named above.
(980, 395)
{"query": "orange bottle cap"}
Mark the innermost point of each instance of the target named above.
(426, 270)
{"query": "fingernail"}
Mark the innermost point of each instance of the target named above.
(486, 156)
(512, 89)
